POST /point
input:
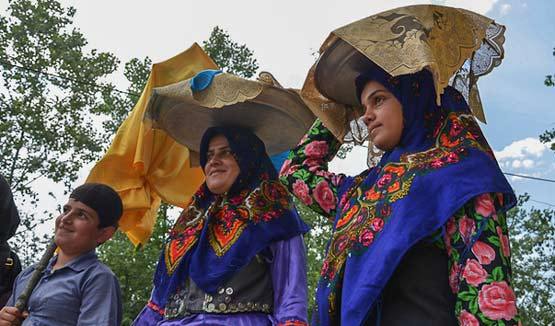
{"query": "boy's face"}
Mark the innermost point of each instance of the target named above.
(77, 229)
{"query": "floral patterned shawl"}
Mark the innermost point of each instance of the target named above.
(442, 161)
(216, 235)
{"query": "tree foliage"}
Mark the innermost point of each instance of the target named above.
(117, 104)
(53, 100)
(135, 267)
(316, 242)
(229, 55)
(533, 262)
(549, 137)
(51, 94)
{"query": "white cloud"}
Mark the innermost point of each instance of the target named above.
(528, 163)
(504, 9)
(522, 148)
(515, 164)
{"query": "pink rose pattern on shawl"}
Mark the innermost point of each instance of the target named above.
(467, 227)
(474, 273)
(483, 252)
(468, 319)
(305, 173)
(300, 189)
(497, 301)
(480, 278)
(316, 149)
(484, 205)
(504, 241)
(482, 282)
(454, 274)
(324, 196)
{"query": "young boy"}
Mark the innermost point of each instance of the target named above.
(75, 288)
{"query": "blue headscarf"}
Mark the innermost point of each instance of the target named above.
(216, 235)
(441, 162)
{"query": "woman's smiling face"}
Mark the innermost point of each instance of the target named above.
(221, 167)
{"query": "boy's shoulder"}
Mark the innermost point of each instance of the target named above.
(93, 265)
(100, 268)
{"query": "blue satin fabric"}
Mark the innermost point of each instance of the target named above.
(279, 159)
(203, 79)
(200, 262)
(433, 197)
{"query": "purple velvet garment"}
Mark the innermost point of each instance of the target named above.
(288, 269)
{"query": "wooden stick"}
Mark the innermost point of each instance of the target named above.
(23, 299)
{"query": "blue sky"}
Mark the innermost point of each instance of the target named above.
(518, 105)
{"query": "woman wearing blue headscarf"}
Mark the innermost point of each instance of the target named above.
(421, 237)
(235, 256)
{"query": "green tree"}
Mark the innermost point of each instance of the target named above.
(231, 57)
(51, 93)
(549, 137)
(316, 242)
(117, 108)
(135, 267)
(533, 262)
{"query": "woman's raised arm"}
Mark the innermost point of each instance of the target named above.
(305, 172)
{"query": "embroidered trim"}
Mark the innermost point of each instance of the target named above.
(293, 322)
(176, 248)
(265, 203)
(159, 310)
(226, 227)
(183, 236)
(228, 221)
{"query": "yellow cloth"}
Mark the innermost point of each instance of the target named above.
(145, 165)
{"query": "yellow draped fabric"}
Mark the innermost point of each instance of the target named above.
(145, 165)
